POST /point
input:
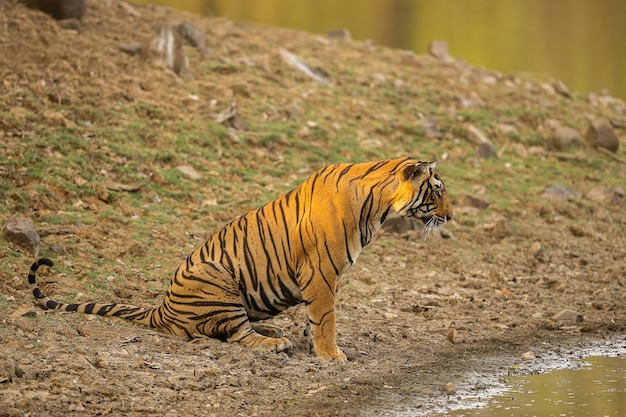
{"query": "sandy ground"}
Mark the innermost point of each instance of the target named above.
(413, 315)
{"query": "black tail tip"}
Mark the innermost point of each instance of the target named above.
(45, 261)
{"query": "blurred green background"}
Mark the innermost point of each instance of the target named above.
(580, 42)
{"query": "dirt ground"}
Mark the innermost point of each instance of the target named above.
(538, 274)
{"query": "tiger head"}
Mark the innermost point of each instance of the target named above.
(422, 194)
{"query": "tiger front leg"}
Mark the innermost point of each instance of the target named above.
(322, 326)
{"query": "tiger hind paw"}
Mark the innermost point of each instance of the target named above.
(273, 344)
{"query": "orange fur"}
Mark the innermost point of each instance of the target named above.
(292, 250)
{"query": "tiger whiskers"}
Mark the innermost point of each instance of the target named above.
(433, 227)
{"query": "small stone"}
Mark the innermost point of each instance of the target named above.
(445, 233)
(342, 34)
(400, 225)
(429, 123)
(536, 249)
(568, 315)
(9, 371)
(560, 192)
(504, 228)
(21, 231)
(477, 137)
(439, 49)
(565, 138)
(452, 335)
(166, 49)
(600, 134)
(192, 34)
(71, 24)
(133, 48)
(449, 388)
(605, 195)
(506, 129)
(60, 9)
(189, 172)
(468, 200)
(561, 88)
(528, 356)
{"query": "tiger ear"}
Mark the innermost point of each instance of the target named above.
(414, 171)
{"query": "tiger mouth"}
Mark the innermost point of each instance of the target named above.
(433, 220)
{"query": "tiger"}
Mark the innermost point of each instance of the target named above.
(292, 250)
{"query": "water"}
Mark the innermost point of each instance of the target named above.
(596, 389)
(580, 42)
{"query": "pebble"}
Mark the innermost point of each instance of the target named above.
(166, 49)
(477, 137)
(341, 34)
(560, 192)
(568, 315)
(504, 228)
(192, 34)
(606, 195)
(21, 231)
(452, 335)
(189, 172)
(600, 134)
(536, 249)
(561, 88)
(565, 138)
(468, 200)
(439, 49)
(449, 388)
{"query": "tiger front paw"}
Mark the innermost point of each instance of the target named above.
(334, 355)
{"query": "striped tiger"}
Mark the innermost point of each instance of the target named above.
(292, 250)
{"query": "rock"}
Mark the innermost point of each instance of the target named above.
(606, 195)
(565, 138)
(561, 88)
(452, 335)
(189, 172)
(400, 225)
(429, 123)
(295, 62)
(21, 231)
(192, 34)
(342, 34)
(60, 9)
(477, 137)
(134, 48)
(71, 24)
(486, 150)
(445, 233)
(505, 129)
(600, 134)
(467, 200)
(449, 388)
(9, 370)
(504, 228)
(439, 49)
(560, 192)
(528, 356)
(166, 49)
(568, 315)
(536, 249)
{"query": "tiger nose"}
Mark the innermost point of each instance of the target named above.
(448, 217)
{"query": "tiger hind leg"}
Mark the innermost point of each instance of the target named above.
(268, 330)
(210, 305)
